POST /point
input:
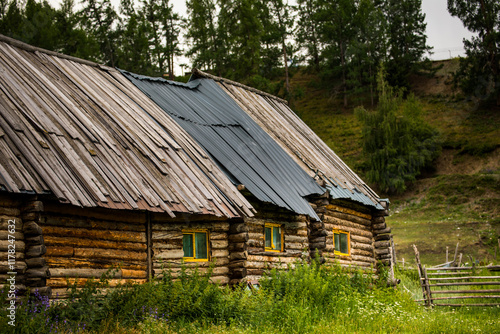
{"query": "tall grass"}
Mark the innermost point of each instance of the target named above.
(306, 299)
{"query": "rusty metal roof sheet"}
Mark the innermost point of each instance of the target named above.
(299, 141)
(245, 151)
(85, 134)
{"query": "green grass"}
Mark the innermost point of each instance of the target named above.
(304, 299)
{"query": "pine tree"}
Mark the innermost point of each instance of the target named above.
(407, 40)
(337, 31)
(240, 27)
(202, 35)
(133, 53)
(479, 72)
(98, 18)
(307, 35)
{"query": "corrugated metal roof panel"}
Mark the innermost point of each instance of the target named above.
(88, 136)
(298, 140)
(234, 140)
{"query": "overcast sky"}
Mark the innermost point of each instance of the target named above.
(444, 32)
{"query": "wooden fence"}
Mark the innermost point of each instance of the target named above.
(455, 286)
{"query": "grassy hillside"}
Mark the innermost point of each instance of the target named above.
(459, 199)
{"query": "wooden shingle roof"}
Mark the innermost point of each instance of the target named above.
(86, 135)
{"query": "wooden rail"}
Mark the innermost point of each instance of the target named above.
(451, 281)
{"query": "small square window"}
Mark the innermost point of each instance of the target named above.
(195, 245)
(273, 237)
(341, 242)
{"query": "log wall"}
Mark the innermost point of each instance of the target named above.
(10, 211)
(86, 243)
(358, 222)
(247, 243)
(167, 252)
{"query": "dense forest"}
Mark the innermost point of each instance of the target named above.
(363, 51)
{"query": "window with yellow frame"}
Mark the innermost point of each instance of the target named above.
(195, 245)
(273, 237)
(342, 242)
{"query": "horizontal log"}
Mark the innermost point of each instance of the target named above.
(239, 246)
(382, 237)
(111, 235)
(361, 252)
(59, 282)
(191, 225)
(9, 210)
(466, 291)
(342, 222)
(377, 219)
(240, 237)
(33, 206)
(296, 245)
(382, 251)
(220, 253)
(170, 254)
(222, 280)
(34, 240)
(166, 235)
(336, 208)
(238, 256)
(5, 245)
(382, 244)
(43, 291)
(218, 236)
(64, 262)
(221, 244)
(51, 241)
(36, 282)
(166, 244)
(379, 226)
(358, 245)
(57, 251)
(30, 216)
(317, 226)
(35, 251)
(119, 223)
(6, 235)
(318, 233)
(384, 256)
(361, 239)
(32, 229)
(42, 272)
(36, 262)
(295, 238)
(19, 267)
(55, 209)
(96, 253)
(382, 231)
(318, 245)
(317, 240)
(351, 230)
(85, 272)
(238, 228)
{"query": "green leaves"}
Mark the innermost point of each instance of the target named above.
(480, 71)
(397, 142)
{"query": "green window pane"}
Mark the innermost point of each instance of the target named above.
(201, 245)
(277, 238)
(187, 245)
(268, 237)
(344, 247)
(336, 241)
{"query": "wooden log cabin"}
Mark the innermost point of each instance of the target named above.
(263, 146)
(103, 169)
(96, 176)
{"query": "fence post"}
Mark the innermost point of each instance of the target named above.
(427, 289)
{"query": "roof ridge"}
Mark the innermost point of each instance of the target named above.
(30, 48)
(199, 73)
